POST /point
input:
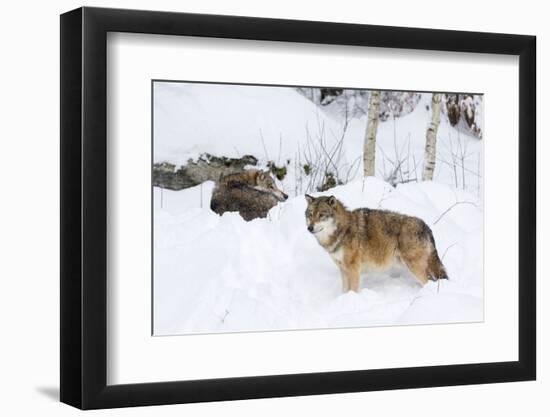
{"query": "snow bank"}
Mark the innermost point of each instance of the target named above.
(222, 274)
(231, 121)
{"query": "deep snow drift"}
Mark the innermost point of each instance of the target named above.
(221, 274)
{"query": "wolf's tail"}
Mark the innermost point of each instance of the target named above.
(436, 268)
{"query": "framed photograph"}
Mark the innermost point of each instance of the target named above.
(256, 208)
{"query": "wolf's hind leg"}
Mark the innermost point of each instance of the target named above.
(419, 267)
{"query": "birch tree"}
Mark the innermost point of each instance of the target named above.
(431, 139)
(369, 146)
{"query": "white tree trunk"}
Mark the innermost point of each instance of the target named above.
(369, 147)
(431, 139)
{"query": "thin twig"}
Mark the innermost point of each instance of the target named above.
(446, 250)
(453, 206)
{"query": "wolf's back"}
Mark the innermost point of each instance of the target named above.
(409, 233)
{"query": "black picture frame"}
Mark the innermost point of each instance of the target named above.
(84, 207)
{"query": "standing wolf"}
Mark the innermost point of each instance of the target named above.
(252, 193)
(366, 240)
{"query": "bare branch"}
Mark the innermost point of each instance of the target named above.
(458, 203)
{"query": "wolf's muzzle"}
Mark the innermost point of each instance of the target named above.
(281, 196)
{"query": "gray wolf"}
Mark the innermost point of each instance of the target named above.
(367, 240)
(252, 193)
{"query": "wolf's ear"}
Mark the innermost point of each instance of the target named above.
(331, 201)
(261, 176)
(309, 199)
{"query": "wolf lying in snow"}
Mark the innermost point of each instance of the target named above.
(252, 193)
(367, 240)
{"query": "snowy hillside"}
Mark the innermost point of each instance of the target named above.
(279, 124)
(231, 121)
(221, 274)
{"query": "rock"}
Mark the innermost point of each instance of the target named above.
(354, 102)
(206, 168)
(397, 103)
(463, 115)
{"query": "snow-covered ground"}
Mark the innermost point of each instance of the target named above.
(221, 274)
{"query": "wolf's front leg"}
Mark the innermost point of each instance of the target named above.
(345, 282)
(353, 277)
